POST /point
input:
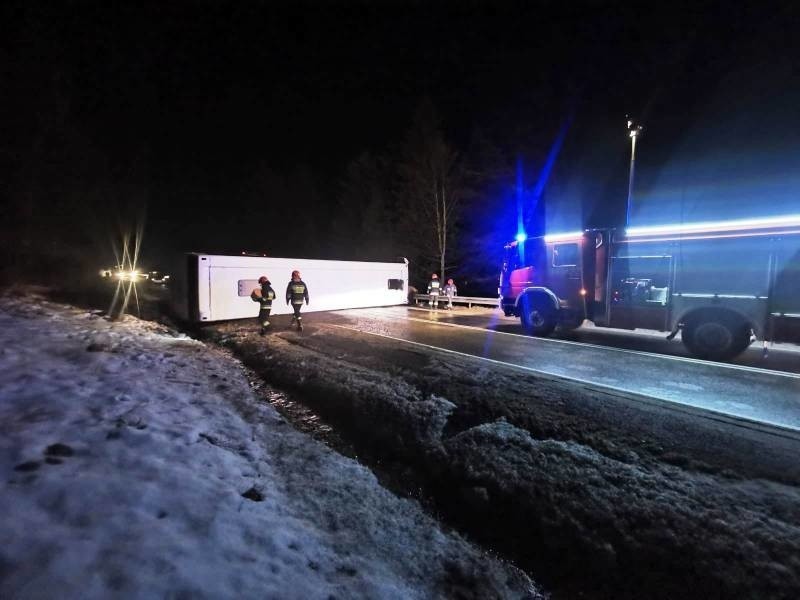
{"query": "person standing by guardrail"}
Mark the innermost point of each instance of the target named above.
(434, 288)
(296, 292)
(450, 290)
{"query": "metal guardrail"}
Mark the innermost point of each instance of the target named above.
(468, 300)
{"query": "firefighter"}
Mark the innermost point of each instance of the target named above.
(264, 295)
(296, 292)
(434, 287)
(450, 291)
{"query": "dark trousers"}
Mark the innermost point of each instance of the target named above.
(297, 308)
(263, 316)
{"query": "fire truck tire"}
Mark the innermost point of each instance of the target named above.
(716, 338)
(538, 319)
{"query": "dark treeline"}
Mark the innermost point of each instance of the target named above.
(224, 128)
(447, 209)
(348, 130)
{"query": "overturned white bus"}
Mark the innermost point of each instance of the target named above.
(211, 287)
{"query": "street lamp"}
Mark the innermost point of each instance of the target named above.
(634, 129)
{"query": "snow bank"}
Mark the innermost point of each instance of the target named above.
(139, 463)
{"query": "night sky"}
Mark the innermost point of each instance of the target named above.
(225, 126)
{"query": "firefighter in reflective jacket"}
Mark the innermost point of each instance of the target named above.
(264, 296)
(296, 293)
(434, 289)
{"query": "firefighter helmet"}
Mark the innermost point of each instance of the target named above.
(296, 274)
(434, 276)
(263, 279)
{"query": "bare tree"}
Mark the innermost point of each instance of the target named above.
(433, 183)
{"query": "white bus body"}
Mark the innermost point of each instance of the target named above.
(210, 287)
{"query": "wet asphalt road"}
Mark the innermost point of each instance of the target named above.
(752, 388)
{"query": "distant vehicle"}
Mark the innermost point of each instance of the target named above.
(120, 273)
(210, 287)
(719, 284)
(158, 277)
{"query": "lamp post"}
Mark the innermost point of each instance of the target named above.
(634, 129)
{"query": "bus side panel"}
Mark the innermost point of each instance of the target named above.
(183, 288)
(332, 285)
(191, 282)
(202, 272)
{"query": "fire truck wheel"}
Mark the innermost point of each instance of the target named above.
(538, 319)
(716, 338)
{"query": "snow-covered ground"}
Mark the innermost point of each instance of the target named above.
(139, 463)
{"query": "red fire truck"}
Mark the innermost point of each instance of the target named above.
(721, 284)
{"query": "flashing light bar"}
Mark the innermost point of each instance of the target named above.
(715, 226)
(521, 237)
(563, 237)
(716, 236)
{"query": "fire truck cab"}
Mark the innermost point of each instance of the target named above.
(720, 284)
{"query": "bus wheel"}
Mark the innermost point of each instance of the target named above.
(538, 319)
(716, 338)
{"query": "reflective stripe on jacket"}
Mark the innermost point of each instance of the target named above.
(267, 295)
(297, 292)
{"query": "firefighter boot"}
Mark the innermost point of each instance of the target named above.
(299, 323)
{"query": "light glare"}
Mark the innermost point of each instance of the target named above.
(714, 226)
(562, 237)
